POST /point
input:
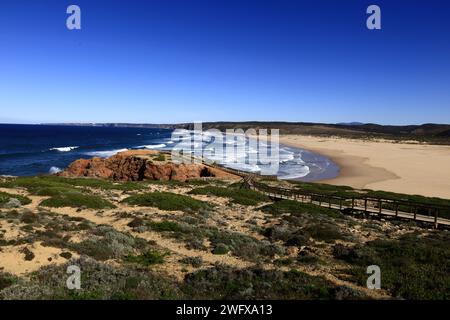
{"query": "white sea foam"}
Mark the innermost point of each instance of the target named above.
(54, 170)
(244, 167)
(105, 154)
(64, 149)
(295, 173)
(284, 157)
(151, 146)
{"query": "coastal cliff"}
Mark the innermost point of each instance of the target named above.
(137, 165)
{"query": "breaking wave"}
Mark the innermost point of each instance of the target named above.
(152, 146)
(105, 154)
(54, 170)
(63, 149)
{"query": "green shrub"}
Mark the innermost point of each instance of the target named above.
(221, 248)
(99, 281)
(223, 282)
(5, 197)
(77, 200)
(242, 245)
(290, 235)
(324, 232)
(326, 189)
(160, 157)
(97, 249)
(6, 280)
(52, 185)
(165, 226)
(56, 191)
(298, 208)
(240, 196)
(196, 262)
(413, 267)
(167, 201)
(148, 258)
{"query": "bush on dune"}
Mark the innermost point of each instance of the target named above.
(239, 196)
(35, 185)
(147, 258)
(6, 197)
(410, 266)
(167, 201)
(223, 282)
(298, 208)
(77, 200)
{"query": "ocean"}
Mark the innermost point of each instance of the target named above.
(27, 150)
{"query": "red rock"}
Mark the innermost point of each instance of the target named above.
(139, 165)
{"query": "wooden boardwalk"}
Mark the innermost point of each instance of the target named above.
(370, 206)
(380, 207)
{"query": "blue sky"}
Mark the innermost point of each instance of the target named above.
(161, 61)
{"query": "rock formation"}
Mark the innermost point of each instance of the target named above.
(139, 165)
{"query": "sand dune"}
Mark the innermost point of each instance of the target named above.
(410, 168)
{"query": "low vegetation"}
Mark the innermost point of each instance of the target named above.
(272, 249)
(349, 193)
(77, 200)
(297, 208)
(239, 196)
(147, 258)
(5, 198)
(413, 267)
(36, 185)
(167, 201)
(223, 282)
(159, 157)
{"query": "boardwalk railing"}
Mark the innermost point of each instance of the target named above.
(383, 207)
(401, 209)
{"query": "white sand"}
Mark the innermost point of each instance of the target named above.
(410, 168)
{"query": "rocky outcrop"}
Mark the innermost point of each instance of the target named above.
(140, 165)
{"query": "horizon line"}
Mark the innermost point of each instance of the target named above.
(351, 123)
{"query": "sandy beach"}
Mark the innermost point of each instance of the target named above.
(410, 168)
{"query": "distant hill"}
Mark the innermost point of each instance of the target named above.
(350, 123)
(429, 132)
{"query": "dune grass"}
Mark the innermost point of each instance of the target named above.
(167, 201)
(239, 196)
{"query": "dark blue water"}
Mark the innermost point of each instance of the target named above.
(27, 149)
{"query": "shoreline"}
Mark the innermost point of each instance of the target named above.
(382, 165)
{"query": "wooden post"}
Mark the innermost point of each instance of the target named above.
(380, 205)
(396, 209)
(436, 211)
(415, 213)
(353, 204)
(340, 204)
(365, 205)
(329, 202)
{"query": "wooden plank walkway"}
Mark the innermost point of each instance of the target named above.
(380, 207)
(355, 205)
